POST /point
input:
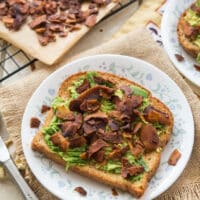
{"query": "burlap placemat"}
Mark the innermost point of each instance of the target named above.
(138, 44)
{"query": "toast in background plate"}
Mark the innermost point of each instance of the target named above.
(189, 30)
(107, 128)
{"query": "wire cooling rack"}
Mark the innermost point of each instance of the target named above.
(12, 56)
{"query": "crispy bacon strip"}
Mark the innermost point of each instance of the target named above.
(174, 157)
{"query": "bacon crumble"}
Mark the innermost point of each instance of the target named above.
(34, 122)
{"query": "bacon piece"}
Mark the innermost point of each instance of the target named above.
(95, 121)
(91, 20)
(112, 137)
(8, 21)
(60, 141)
(96, 146)
(3, 8)
(81, 191)
(34, 122)
(138, 148)
(149, 137)
(118, 153)
(197, 67)
(56, 28)
(90, 105)
(174, 157)
(101, 2)
(103, 81)
(88, 129)
(78, 120)
(114, 126)
(114, 192)
(189, 31)
(152, 114)
(84, 86)
(99, 156)
(45, 108)
(77, 142)
(127, 90)
(132, 171)
(137, 127)
(38, 21)
(92, 93)
(63, 113)
(195, 8)
(179, 57)
(126, 127)
(69, 129)
(97, 115)
(128, 169)
(129, 104)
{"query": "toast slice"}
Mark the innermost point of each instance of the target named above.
(150, 157)
(188, 33)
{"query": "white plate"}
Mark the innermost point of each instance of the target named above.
(173, 11)
(62, 184)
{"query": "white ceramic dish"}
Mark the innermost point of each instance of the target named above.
(62, 184)
(173, 11)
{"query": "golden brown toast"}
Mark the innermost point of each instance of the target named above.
(188, 46)
(152, 158)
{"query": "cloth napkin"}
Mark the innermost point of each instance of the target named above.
(13, 100)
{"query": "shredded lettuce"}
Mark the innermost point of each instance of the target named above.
(192, 18)
(108, 84)
(58, 101)
(140, 161)
(112, 167)
(72, 157)
(198, 3)
(53, 126)
(119, 93)
(158, 126)
(139, 91)
(90, 77)
(106, 106)
(50, 143)
(73, 92)
(75, 85)
(107, 150)
(145, 103)
(198, 58)
(135, 178)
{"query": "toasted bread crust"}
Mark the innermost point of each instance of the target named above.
(188, 46)
(152, 159)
